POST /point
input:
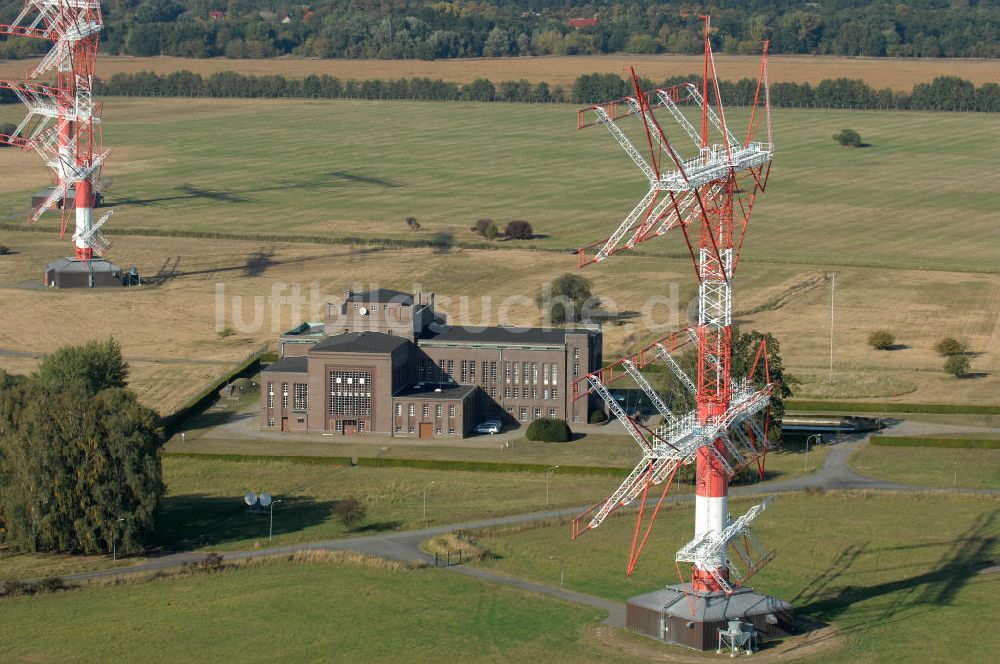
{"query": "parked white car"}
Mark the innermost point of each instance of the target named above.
(489, 426)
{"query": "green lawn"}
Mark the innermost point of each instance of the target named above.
(16, 565)
(897, 574)
(358, 168)
(297, 612)
(944, 468)
(204, 506)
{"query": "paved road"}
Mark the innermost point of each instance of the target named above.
(405, 546)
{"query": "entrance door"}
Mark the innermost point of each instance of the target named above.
(426, 429)
(350, 427)
(284, 424)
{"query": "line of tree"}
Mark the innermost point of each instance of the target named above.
(945, 93)
(412, 29)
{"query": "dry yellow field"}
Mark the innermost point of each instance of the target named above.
(896, 73)
(168, 331)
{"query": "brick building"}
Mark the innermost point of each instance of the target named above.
(384, 362)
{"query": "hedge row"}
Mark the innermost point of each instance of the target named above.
(425, 464)
(944, 93)
(919, 441)
(685, 475)
(803, 405)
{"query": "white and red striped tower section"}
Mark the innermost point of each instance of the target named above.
(709, 197)
(62, 123)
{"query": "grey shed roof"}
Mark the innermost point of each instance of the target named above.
(380, 295)
(74, 265)
(360, 342)
(498, 335)
(290, 365)
(714, 607)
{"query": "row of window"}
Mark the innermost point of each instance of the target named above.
(438, 430)
(529, 393)
(485, 372)
(425, 410)
(528, 372)
(522, 413)
(300, 396)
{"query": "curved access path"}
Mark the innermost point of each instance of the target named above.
(404, 546)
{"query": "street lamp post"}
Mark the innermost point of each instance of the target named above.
(562, 569)
(270, 528)
(805, 461)
(114, 540)
(548, 476)
(425, 500)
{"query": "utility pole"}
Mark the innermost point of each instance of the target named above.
(270, 528)
(425, 500)
(833, 293)
(548, 475)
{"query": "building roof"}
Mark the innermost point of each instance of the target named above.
(360, 342)
(742, 602)
(428, 391)
(499, 335)
(68, 264)
(380, 295)
(290, 365)
(305, 330)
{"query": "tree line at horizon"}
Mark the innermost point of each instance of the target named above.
(944, 93)
(415, 29)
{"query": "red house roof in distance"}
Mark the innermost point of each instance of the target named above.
(582, 22)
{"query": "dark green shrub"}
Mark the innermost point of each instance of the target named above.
(519, 230)
(950, 346)
(349, 511)
(549, 431)
(597, 416)
(957, 365)
(848, 138)
(881, 340)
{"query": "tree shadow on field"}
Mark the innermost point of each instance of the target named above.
(363, 179)
(254, 265)
(258, 262)
(194, 520)
(378, 527)
(964, 556)
(187, 191)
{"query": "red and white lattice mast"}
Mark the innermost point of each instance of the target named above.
(708, 195)
(62, 123)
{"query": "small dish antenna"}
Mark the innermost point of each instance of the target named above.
(251, 498)
(265, 499)
(363, 311)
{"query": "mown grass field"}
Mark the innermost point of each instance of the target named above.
(943, 468)
(896, 73)
(913, 203)
(299, 612)
(204, 507)
(897, 575)
(359, 168)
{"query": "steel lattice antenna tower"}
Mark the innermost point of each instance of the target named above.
(63, 123)
(712, 194)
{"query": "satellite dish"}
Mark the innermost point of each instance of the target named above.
(363, 311)
(265, 499)
(250, 498)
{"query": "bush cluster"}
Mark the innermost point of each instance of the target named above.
(549, 431)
